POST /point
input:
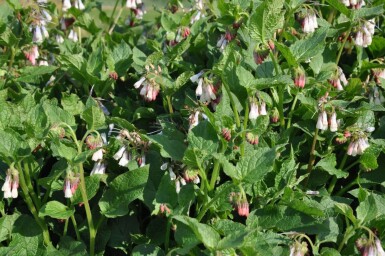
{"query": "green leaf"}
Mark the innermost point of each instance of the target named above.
(6, 224)
(266, 19)
(63, 148)
(57, 115)
(121, 56)
(68, 246)
(95, 63)
(371, 209)
(92, 187)
(347, 211)
(328, 164)
(245, 77)
(368, 12)
(203, 139)
(123, 190)
(206, 234)
(307, 48)
(286, 53)
(12, 145)
(57, 210)
(255, 165)
(337, 4)
(72, 104)
(94, 117)
(34, 74)
(147, 249)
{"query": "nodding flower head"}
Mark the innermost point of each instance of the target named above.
(71, 184)
(123, 156)
(260, 54)
(32, 54)
(79, 5)
(254, 109)
(364, 33)
(322, 122)
(299, 78)
(378, 73)
(226, 133)
(11, 183)
(358, 144)
(99, 168)
(309, 22)
(338, 80)
(252, 138)
(66, 5)
(240, 203)
(298, 249)
(149, 87)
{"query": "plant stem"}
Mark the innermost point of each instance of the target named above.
(75, 227)
(65, 227)
(346, 238)
(237, 120)
(246, 119)
(167, 237)
(88, 210)
(280, 92)
(342, 46)
(346, 188)
(334, 179)
(115, 21)
(113, 12)
(207, 205)
(169, 103)
(12, 59)
(32, 208)
(291, 110)
(35, 199)
(215, 174)
(312, 155)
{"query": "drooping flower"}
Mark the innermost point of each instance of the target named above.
(205, 91)
(150, 88)
(99, 168)
(309, 22)
(131, 4)
(299, 78)
(376, 96)
(196, 77)
(378, 73)
(123, 156)
(298, 249)
(358, 145)
(333, 122)
(339, 80)
(252, 138)
(262, 109)
(364, 34)
(67, 189)
(254, 110)
(37, 35)
(226, 134)
(73, 35)
(275, 115)
(322, 122)
(66, 5)
(7, 186)
(79, 5)
(32, 54)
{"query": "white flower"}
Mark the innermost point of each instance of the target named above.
(98, 155)
(380, 250)
(125, 159)
(79, 5)
(309, 23)
(44, 31)
(194, 119)
(172, 174)
(177, 186)
(15, 185)
(120, 152)
(143, 161)
(67, 189)
(254, 111)
(59, 39)
(197, 180)
(322, 122)
(66, 5)
(37, 35)
(43, 63)
(183, 181)
(342, 77)
(73, 36)
(195, 77)
(46, 15)
(6, 188)
(131, 4)
(333, 122)
(139, 82)
(262, 109)
(99, 168)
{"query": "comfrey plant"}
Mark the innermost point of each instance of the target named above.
(221, 127)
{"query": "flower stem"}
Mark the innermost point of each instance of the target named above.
(280, 92)
(88, 210)
(347, 235)
(342, 46)
(75, 227)
(65, 227)
(167, 237)
(32, 208)
(291, 110)
(347, 187)
(312, 155)
(169, 103)
(215, 174)
(115, 21)
(245, 121)
(35, 199)
(113, 12)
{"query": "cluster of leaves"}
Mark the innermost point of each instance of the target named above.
(298, 183)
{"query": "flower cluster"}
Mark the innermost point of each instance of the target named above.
(93, 143)
(323, 123)
(257, 108)
(309, 22)
(339, 79)
(240, 203)
(71, 183)
(11, 184)
(299, 77)
(298, 249)
(206, 91)
(355, 4)
(376, 96)
(365, 33)
(378, 73)
(370, 247)
(150, 88)
(358, 144)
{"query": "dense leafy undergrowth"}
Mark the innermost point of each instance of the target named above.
(203, 128)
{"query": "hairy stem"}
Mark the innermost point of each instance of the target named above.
(32, 208)
(245, 121)
(334, 179)
(235, 111)
(280, 92)
(291, 110)
(35, 199)
(75, 227)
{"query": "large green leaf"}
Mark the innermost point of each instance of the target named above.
(267, 18)
(94, 117)
(123, 190)
(57, 210)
